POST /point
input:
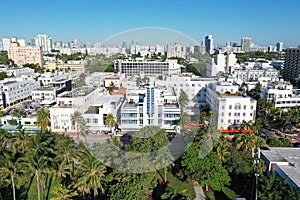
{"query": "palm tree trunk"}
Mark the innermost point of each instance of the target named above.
(38, 187)
(13, 185)
(165, 174)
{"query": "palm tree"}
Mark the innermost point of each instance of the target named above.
(66, 156)
(90, 176)
(110, 121)
(36, 166)
(2, 111)
(43, 118)
(9, 169)
(61, 192)
(111, 87)
(5, 140)
(246, 142)
(20, 141)
(183, 99)
(78, 121)
(17, 112)
(223, 149)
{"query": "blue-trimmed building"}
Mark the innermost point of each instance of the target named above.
(149, 106)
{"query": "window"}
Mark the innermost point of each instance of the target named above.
(230, 107)
(251, 114)
(222, 121)
(95, 120)
(222, 114)
(244, 114)
(237, 106)
(245, 107)
(251, 107)
(229, 114)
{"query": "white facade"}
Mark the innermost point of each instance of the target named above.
(282, 95)
(146, 67)
(220, 63)
(149, 106)
(67, 103)
(93, 104)
(43, 41)
(193, 86)
(255, 74)
(48, 78)
(18, 72)
(229, 108)
(5, 44)
(22, 42)
(16, 90)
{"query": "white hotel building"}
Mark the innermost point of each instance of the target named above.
(146, 67)
(149, 106)
(230, 107)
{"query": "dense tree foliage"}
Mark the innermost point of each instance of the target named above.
(4, 58)
(36, 67)
(3, 75)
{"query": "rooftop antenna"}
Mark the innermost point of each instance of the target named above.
(256, 157)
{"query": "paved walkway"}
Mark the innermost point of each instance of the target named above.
(199, 192)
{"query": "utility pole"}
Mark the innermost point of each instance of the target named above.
(256, 157)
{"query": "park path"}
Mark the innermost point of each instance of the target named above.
(199, 192)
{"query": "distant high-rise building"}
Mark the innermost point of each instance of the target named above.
(43, 41)
(291, 68)
(76, 43)
(25, 54)
(209, 44)
(5, 44)
(245, 44)
(22, 42)
(279, 46)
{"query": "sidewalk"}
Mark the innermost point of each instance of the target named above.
(199, 192)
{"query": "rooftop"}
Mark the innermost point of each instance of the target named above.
(82, 91)
(291, 159)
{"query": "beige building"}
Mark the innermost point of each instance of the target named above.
(72, 65)
(25, 54)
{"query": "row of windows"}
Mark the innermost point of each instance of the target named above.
(229, 121)
(238, 107)
(287, 102)
(94, 120)
(237, 114)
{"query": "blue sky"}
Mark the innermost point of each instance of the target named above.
(265, 21)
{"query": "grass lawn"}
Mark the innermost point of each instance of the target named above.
(51, 183)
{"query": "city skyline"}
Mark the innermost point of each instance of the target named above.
(266, 22)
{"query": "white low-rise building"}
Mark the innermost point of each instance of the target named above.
(47, 94)
(93, 104)
(229, 106)
(281, 94)
(68, 103)
(14, 90)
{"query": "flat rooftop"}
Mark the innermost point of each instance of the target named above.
(289, 156)
(82, 91)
